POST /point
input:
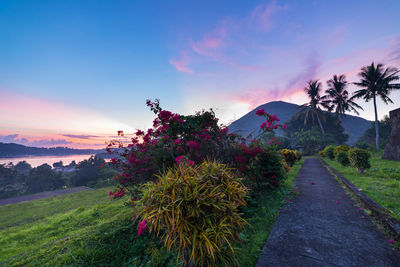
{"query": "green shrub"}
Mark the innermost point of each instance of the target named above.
(196, 210)
(343, 158)
(298, 155)
(267, 171)
(329, 152)
(340, 148)
(359, 158)
(289, 156)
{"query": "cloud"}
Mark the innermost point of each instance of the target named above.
(229, 40)
(181, 64)
(80, 136)
(210, 43)
(259, 95)
(393, 52)
(261, 16)
(15, 138)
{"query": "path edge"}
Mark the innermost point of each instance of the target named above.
(379, 212)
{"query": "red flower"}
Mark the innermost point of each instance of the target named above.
(142, 227)
(260, 112)
(120, 133)
(263, 125)
(139, 133)
(192, 144)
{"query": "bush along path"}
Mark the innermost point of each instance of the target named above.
(322, 226)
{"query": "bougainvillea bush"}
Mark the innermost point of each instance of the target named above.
(196, 137)
(153, 160)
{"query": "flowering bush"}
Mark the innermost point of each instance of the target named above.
(266, 171)
(178, 177)
(174, 137)
(196, 210)
(290, 156)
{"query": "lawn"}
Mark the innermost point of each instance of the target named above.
(88, 229)
(381, 182)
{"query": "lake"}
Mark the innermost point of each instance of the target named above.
(35, 161)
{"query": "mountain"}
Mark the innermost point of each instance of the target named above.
(250, 123)
(9, 150)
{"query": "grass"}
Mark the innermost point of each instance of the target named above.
(381, 182)
(87, 229)
(30, 225)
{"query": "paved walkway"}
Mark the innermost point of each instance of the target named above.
(322, 226)
(16, 200)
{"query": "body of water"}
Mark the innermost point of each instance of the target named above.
(35, 161)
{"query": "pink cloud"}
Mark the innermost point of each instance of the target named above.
(210, 43)
(261, 16)
(262, 94)
(229, 40)
(181, 64)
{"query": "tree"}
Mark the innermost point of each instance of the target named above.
(58, 164)
(23, 167)
(315, 104)
(368, 138)
(338, 96)
(43, 178)
(377, 81)
(308, 138)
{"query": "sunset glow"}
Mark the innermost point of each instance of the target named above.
(75, 82)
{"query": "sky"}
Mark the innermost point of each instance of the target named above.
(73, 73)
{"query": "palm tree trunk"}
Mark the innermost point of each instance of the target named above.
(376, 125)
(320, 125)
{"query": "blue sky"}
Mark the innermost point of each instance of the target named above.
(86, 67)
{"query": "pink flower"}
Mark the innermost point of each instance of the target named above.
(274, 118)
(263, 125)
(391, 241)
(260, 112)
(337, 202)
(284, 127)
(192, 144)
(361, 208)
(240, 159)
(120, 132)
(142, 227)
(139, 133)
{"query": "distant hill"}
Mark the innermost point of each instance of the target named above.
(250, 123)
(9, 150)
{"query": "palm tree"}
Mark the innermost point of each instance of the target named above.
(339, 96)
(377, 81)
(313, 107)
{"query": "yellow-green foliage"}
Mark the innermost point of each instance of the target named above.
(329, 152)
(359, 158)
(195, 209)
(298, 155)
(337, 149)
(291, 156)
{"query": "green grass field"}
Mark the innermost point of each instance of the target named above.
(381, 182)
(88, 229)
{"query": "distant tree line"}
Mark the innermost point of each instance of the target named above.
(21, 179)
(16, 150)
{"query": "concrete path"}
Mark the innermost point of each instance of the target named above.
(16, 200)
(322, 226)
